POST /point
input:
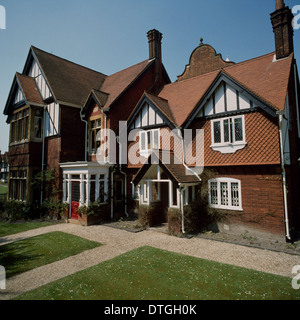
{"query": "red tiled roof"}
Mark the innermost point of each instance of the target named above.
(117, 83)
(175, 170)
(263, 76)
(29, 89)
(183, 96)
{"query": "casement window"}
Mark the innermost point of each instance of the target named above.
(95, 135)
(228, 132)
(149, 140)
(19, 126)
(17, 185)
(225, 193)
(38, 120)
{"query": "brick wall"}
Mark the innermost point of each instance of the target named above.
(262, 198)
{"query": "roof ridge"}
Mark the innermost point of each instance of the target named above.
(118, 72)
(249, 60)
(66, 60)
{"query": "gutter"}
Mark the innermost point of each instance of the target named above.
(287, 227)
(85, 141)
(43, 151)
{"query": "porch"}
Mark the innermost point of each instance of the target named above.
(84, 183)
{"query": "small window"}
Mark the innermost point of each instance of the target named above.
(95, 136)
(225, 193)
(149, 140)
(228, 131)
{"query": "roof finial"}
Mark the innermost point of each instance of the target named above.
(201, 41)
(280, 4)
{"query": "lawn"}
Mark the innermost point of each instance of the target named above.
(3, 188)
(13, 228)
(151, 274)
(24, 255)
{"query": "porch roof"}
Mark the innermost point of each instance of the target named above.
(175, 170)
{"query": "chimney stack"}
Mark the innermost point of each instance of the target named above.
(283, 30)
(154, 38)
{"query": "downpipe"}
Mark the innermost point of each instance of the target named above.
(287, 227)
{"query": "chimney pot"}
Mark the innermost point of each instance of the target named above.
(280, 4)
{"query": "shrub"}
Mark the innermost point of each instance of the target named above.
(54, 209)
(96, 209)
(174, 221)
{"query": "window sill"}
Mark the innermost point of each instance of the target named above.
(229, 208)
(227, 148)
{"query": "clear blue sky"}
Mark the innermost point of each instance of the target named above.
(110, 35)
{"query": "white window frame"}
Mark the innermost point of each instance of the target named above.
(146, 151)
(229, 182)
(231, 146)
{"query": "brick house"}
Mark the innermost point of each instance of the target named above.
(59, 112)
(238, 120)
(246, 118)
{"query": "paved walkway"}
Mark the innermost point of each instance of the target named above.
(116, 242)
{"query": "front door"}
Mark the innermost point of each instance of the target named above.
(75, 199)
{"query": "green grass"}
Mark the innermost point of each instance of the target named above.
(13, 228)
(3, 188)
(152, 274)
(24, 255)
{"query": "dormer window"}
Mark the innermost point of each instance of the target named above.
(228, 134)
(95, 135)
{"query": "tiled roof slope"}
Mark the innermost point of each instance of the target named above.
(72, 83)
(266, 77)
(29, 89)
(263, 76)
(69, 82)
(117, 83)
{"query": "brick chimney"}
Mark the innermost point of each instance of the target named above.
(283, 30)
(154, 38)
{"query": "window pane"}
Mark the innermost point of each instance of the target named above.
(224, 194)
(149, 140)
(214, 193)
(101, 191)
(226, 131)
(238, 129)
(235, 195)
(93, 191)
(217, 132)
(155, 139)
(143, 140)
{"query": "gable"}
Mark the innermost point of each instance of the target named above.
(224, 99)
(19, 96)
(36, 73)
(146, 115)
(224, 96)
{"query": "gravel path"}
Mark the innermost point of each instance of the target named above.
(116, 242)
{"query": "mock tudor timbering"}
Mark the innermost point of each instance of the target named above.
(242, 121)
